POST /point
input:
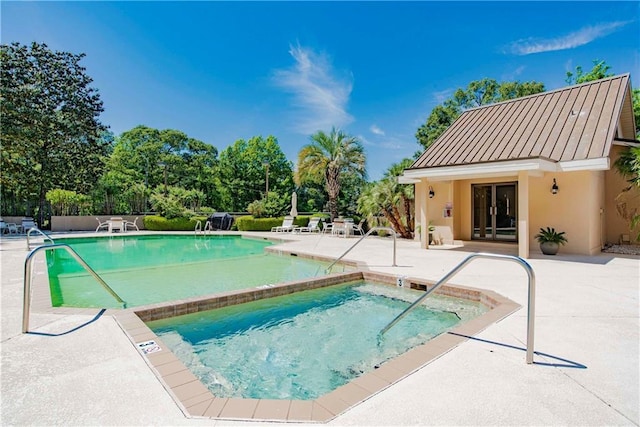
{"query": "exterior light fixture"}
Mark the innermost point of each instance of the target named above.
(554, 187)
(431, 192)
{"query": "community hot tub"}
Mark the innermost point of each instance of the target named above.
(224, 356)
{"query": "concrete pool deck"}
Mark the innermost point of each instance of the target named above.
(586, 369)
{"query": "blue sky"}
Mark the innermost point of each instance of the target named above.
(222, 71)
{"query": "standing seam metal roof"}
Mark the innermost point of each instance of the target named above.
(573, 123)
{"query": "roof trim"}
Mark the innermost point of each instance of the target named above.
(626, 142)
(503, 168)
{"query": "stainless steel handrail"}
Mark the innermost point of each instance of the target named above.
(26, 305)
(205, 230)
(46, 236)
(462, 264)
(391, 230)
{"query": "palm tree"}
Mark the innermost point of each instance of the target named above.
(383, 197)
(628, 165)
(326, 158)
(405, 191)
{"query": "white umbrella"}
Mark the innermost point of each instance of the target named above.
(294, 204)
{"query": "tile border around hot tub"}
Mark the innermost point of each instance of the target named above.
(195, 400)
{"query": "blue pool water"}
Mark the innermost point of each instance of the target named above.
(159, 268)
(306, 344)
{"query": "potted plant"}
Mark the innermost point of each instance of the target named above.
(550, 240)
(432, 228)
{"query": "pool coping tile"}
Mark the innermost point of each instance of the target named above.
(300, 410)
(242, 409)
(272, 409)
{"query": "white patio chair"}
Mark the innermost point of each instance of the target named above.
(358, 228)
(327, 228)
(28, 224)
(131, 224)
(102, 224)
(12, 228)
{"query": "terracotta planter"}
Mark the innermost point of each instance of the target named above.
(549, 248)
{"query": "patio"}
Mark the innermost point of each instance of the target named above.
(585, 370)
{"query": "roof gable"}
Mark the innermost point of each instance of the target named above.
(569, 124)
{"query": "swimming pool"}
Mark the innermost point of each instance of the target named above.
(157, 268)
(306, 344)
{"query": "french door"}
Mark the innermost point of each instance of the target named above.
(495, 215)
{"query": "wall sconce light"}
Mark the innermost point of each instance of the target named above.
(554, 187)
(431, 192)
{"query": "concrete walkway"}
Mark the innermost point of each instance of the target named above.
(586, 370)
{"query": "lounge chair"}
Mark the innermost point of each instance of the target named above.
(312, 227)
(102, 224)
(131, 224)
(3, 227)
(28, 224)
(287, 225)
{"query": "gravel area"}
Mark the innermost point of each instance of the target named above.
(622, 249)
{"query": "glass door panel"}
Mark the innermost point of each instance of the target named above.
(482, 218)
(495, 212)
(505, 213)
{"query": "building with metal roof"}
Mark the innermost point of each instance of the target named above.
(501, 172)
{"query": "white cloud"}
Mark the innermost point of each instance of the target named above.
(577, 38)
(443, 95)
(376, 130)
(319, 94)
(513, 75)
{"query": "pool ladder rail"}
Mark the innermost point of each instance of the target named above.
(27, 279)
(37, 231)
(368, 233)
(199, 230)
(460, 266)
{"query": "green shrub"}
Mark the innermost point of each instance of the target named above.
(158, 223)
(249, 223)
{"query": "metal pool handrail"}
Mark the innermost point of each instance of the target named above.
(27, 279)
(391, 230)
(198, 228)
(460, 266)
(46, 236)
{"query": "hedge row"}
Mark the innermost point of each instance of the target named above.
(158, 223)
(249, 223)
(243, 223)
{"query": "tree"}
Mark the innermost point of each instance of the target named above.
(406, 191)
(144, 158)
(636, 110)
(476, 94)
(390, 199)
(383, 198)
(327, 158)
(628, 165)
(50, 131)
(599, 71)
(243, 172)
(441, 117)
